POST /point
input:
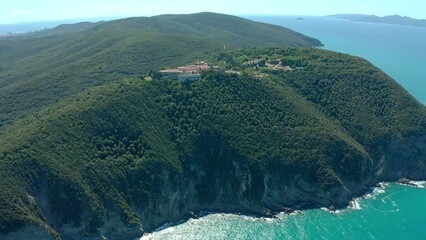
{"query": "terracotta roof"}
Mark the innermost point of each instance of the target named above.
(201, 66)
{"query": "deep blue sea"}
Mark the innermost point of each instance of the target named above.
(390, 212)
(400, 51)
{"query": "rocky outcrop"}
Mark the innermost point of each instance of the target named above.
(404, 158)
(216, 179)
(407, 182)
(261, 194)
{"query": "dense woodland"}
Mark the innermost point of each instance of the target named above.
(109, 146)
(40, 68)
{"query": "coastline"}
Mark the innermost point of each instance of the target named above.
(354, 204)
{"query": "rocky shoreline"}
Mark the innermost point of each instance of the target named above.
(411, 183)
(268, 214)
(40, 232)
(242, 192)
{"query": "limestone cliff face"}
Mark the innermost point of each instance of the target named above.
(232, 188)
(404, 158)
(216, 178)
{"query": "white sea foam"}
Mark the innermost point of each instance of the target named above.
(337, 211)
(154, 235)
(147, 236)
(296, 212)
(419, 184)
(246, 218)
(166, 228)
(380, 191)
(376, 191)
(269, 220)
(354, 204)
(282, 215)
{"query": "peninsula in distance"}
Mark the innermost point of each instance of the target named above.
(392, 19)
(109, 130)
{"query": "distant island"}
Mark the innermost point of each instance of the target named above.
(393, 19)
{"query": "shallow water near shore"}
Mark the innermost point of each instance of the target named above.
(392, 211)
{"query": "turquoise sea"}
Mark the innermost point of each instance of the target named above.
(400, 51)
(391, 211)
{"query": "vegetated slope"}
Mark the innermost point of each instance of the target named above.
(40, 68)
(134, 154)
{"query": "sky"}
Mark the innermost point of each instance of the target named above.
(18, 11)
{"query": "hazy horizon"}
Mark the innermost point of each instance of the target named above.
(21, 11)
(109, 18)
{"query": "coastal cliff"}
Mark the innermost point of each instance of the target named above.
(230, 189)
(121, 159)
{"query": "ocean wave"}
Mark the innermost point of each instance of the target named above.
(296, 212)
(354, 204)
(334, 211)
(283, 215)
(419, 184)
(373, 194)
(168, 229)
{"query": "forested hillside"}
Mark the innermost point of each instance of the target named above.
(134, 154)
(38, 69)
